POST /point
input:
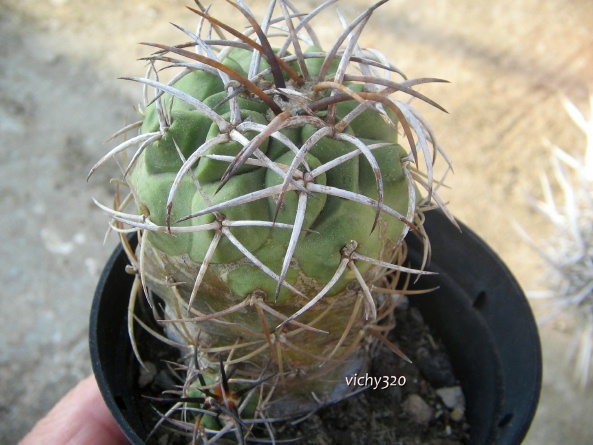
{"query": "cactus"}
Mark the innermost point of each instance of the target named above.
(272, 197)
(568, 252)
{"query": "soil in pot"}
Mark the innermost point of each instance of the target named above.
(405, 408)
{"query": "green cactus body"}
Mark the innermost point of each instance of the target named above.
(269, 201)
(330, 222)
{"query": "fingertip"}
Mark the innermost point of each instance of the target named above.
(80, 418)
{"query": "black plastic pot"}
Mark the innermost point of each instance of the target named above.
(479, 312)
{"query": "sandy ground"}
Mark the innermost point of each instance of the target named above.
(509, 62)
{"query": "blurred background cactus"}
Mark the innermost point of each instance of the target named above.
(568, 205)
(272, 196)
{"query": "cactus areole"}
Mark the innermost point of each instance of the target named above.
(272, 191)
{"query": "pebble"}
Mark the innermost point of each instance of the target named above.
(418, 410)
(435, 366)
(453, 399)
(451, 396)
(457, 414)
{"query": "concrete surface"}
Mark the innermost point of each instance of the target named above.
(508, 61)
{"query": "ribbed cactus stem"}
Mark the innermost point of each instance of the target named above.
(271, 192)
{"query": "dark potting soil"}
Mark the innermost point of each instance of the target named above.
(405, 404)
(408, 411)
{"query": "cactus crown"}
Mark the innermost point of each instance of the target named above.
(270, 179)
